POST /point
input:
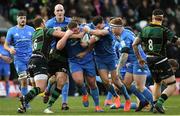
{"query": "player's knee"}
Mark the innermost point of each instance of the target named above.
(79, 82)
(140, 87)
(127, 84)
(23, 82)
(92, 85)
(52, 79)
(173, 87)
(106, 81)
(60, 83)
(41, 81)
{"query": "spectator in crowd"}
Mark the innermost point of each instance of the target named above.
(85, 9)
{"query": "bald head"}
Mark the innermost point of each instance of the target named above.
(59, 12)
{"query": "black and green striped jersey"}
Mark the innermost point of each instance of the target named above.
(154, 39)
(42, 39)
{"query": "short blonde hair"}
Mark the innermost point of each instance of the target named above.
(116, 21)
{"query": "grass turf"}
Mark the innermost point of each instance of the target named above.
(8, 106)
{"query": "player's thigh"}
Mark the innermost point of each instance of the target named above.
(20, 66)
(169, 80)
(128, 79)
(164, 68)
(91, 80)
(115, 78)
(76, 72)
(78, 77)
(89, 69)
(103, 73)
(140, 81)
(41, 81)
(61, 78)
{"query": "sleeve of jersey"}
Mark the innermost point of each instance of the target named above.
(9, 36)
(63, 29)
(49, 24)
(50, 31)
(140, 35)
(171, 36)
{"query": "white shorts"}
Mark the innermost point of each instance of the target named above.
(40, 77)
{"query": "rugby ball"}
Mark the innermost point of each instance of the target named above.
(95, 37)
(85, 38)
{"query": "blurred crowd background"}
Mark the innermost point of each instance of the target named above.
(133, 11)
(136, 13)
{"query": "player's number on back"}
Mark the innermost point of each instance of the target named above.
(150, 46)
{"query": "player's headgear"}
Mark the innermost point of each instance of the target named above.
(116, 22)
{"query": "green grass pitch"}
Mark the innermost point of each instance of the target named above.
(8, 106)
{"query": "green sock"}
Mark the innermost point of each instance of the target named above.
(162, 99)
(55, 94)
(31, 94)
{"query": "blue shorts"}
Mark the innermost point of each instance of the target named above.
(135, 68)
(87, 68)
(107, 63)
(5, 70)
(21, 66)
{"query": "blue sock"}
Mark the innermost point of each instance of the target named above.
(148, 95)
(112, 90)
(24, 91)
(83, 89)
(95, 96)
(124, 92)
(133, 105)
(109, 96)
(48, 88)
(137, 93)
(65, 91)
(7, 88)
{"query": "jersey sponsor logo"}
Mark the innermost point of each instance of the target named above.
(123, 44)
(106, 28)
(139, 70)
(23, 40)
(73, 43)
(16, 34)
(29, 33)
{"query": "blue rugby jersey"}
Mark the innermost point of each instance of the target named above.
(52, 23)
(104, 46)
(73, 47)
(22, 41)
(126, 39)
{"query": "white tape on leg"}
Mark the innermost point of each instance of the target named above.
(22, 75)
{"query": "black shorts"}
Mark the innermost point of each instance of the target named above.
(160, 68)
(57, 66)
(37, 65)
